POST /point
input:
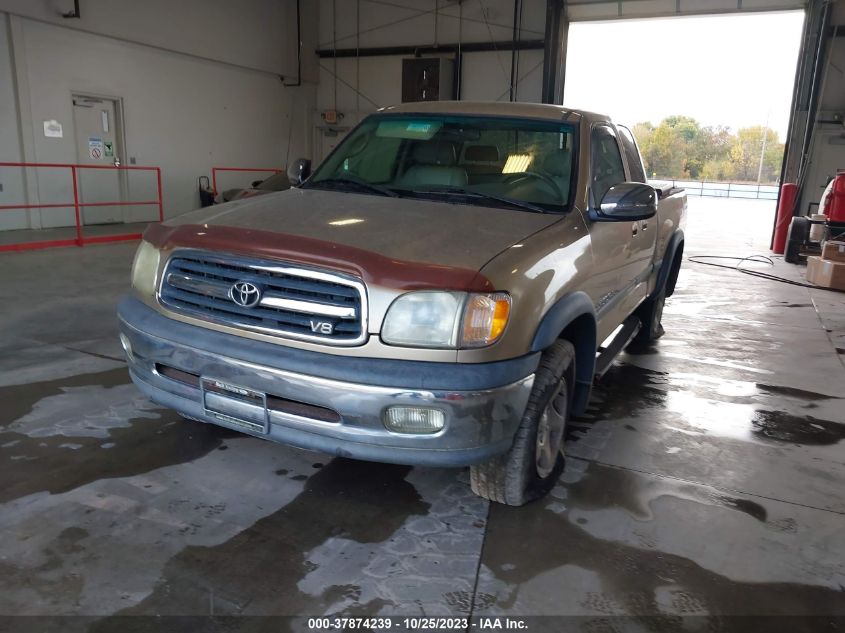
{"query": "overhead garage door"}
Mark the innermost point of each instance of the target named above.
(609, 10)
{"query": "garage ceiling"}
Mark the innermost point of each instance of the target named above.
(614, 10)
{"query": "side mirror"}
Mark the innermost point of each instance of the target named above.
(625, 202)
(299, 170)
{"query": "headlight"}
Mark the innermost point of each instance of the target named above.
(145, 268)
(424, 319)
(446, 319)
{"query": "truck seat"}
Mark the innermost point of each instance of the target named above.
(558, 165)
(434, 163)
(482, 162)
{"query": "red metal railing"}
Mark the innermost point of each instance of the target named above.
(78, 205)
(214, 171)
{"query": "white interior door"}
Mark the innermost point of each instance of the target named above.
(97, 143)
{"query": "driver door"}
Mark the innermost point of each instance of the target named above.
(616, 289)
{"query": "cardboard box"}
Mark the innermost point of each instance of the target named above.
(834, 251)
(825, 273)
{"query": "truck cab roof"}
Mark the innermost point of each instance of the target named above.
(498, 108)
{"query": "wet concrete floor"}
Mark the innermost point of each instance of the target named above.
(705, 484)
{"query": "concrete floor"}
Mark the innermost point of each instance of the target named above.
(26, 236)
(707, 481)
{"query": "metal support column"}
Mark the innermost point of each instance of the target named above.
(554, 51)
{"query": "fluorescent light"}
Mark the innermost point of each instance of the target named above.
(346, 221)
(517, 163)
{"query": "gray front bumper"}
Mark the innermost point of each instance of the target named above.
(480, 422)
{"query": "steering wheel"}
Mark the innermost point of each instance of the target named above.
(512, 179)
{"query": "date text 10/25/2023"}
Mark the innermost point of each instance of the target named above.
(415, 624)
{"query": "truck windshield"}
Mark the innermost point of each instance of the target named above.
(493, 161)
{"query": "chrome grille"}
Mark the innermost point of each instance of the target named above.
(294, 302)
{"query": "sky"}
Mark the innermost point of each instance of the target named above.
(726, 70)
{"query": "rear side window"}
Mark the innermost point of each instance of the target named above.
(607, 169)
(632, 155)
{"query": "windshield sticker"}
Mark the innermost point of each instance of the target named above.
(411, 130)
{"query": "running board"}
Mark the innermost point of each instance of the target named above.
(629, 330)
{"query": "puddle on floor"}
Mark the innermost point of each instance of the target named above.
(262, 565)
(633, 577)
(704, 405)
(115, 432)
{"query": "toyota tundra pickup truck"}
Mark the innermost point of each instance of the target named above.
(442, 290)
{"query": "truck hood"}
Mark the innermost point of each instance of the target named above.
(397, 242)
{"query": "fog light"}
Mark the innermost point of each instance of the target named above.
(127, 346)
(401, 419)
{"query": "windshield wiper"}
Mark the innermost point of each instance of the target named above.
(355, 182)
(461, 191)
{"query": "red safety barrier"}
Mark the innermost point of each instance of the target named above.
(78, 205)
(214, 170)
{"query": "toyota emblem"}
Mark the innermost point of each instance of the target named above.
(245, 294)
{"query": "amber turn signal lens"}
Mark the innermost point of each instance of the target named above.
(485, 319)
(500, 317)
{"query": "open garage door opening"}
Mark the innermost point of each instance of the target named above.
(742, 104)
(712, 118)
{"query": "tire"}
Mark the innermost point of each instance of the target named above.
(650, 313)
(531, 467)
(799, 231)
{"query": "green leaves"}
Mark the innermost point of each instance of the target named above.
(680, 148)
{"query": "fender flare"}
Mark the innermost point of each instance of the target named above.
(668, 274)
(573, 308)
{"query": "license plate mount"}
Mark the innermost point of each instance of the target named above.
(234, 406)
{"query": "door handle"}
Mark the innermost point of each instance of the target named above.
(645, 224)
(634, 228)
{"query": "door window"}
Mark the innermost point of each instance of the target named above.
(607, 168)
(632, 155)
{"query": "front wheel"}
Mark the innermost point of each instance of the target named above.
(535, 460)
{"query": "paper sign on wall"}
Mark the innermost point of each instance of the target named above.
(53, 129)
(108, 148)
(95, 148)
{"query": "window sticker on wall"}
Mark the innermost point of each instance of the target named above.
(53, 129)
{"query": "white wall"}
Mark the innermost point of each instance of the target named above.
(356, 87)
(183, 112)
(249, 33)
(486, 76)
(10, 146)
(412, 22)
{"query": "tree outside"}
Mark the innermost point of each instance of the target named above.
(679, 148)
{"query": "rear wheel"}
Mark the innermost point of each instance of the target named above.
(650, 313)
(535, 460)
